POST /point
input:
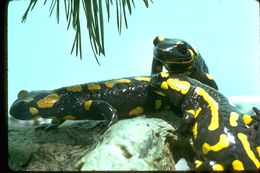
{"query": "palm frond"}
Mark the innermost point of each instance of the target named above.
(94, 16)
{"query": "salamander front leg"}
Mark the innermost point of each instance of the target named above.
(55, 123)
(186, 124)
(99, 108)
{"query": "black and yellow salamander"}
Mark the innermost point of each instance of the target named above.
(219, 131)
(179, 57)
(112, 99)
(104, 99)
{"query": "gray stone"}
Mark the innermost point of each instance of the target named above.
(139, 143)
(133, 144)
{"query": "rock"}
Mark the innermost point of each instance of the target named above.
(133, 144)
(182, 165)
(139, 143)
(54, 150)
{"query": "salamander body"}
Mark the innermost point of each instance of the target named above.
(112, 99)
(219, 131)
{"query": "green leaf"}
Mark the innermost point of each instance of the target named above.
(93, 10)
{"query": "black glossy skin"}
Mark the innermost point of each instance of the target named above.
(202, 100)
(108, 103)
(179, 57)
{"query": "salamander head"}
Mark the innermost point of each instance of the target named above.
(29, 105)
(175, 54)
(174, 86)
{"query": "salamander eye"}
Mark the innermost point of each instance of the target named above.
(182, 48)
(22, 93)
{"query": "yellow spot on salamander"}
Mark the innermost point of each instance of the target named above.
(197, 112)
(191, 111)
(158, 104)
(123, 81)
(87, 104)
(136, 111)
(209, 76)
(22, 93)
(33, 110)
(243, 139)
(233, 119)
(109, 84)
(48, 101)
(94, 87)
(238, 165)
(178, 85)
(28, 99)
(160, 93)
(213, 106)
(164, 85)
(75, 88)
(258, 150)
(247, 119)
(161, 38)
(221, 144)
(217, 167)
(69, 117)
(194, 113)
(195, 130)
(164, 74)
(143, 79)
(198, 163)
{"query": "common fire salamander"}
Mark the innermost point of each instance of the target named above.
(219, 131)
(177, 56)
(108, 99)
(112, 99)
(221, 135)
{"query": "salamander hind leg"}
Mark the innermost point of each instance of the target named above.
(55, 123)
(186, 123)
(99, 108)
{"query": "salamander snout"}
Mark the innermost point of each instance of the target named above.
(20, 110)
(24, 107)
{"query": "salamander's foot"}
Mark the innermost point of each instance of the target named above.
(55, 123)
(47, 127)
